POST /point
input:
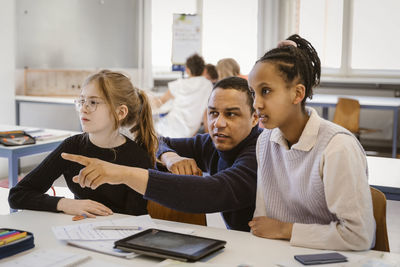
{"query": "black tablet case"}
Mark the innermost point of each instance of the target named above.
(149, 250)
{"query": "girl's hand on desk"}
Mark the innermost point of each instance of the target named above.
(83, 206)
(270, 228)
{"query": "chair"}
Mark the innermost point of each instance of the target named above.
(379, 206)
(347, 115)
(157, 211)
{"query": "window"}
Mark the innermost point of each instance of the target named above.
(375, 39)
(321, 24)
(365, 30)
(230, 32)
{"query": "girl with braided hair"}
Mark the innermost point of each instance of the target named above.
(312, 186)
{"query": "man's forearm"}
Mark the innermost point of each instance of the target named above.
(136, 178)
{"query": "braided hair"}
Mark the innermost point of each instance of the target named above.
(299, 64)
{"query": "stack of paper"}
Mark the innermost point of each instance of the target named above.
(46, 258)
(85, 235)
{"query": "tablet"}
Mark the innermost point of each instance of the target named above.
(165, 244)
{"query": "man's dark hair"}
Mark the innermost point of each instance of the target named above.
(195, 64)
(212, 71)
(239, 84)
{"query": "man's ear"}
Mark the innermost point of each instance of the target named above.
(299, 93)
(254, 119)
(122, 111)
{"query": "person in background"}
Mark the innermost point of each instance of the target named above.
(227, 67)
(227, 154)
(210, 72)
(189, 102)
(312, 184)
(108, 101)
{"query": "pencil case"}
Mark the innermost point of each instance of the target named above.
(18, 245)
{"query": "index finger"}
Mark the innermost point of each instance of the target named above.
(76, 158)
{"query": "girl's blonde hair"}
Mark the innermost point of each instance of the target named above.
(117, 90)
(227, 67)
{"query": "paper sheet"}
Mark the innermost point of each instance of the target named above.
(106, 247)
(86, 231)
(46, 258)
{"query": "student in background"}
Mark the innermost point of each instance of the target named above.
(190, 101)
(211, 74)
(312, 184)
(228, 67)
(107, 102)
(227, 154)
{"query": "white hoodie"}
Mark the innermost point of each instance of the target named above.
(189, 103)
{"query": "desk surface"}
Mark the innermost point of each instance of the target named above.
(391, 102)
(384, 171)
(59, 136)
(241, 248)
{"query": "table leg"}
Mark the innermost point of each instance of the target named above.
(17, 115)
(394, 137)
(12, 173)
(325, 112)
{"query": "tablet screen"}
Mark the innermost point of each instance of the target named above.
(177, 243)
(166, 244)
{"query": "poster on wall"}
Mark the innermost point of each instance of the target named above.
(186, 39)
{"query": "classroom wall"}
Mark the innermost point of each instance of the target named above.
(7, 68)
(77, 34)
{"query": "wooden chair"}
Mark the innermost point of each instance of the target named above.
(158, 211)
(379, 206)
(347, 115)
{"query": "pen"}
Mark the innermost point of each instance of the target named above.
(9, 234)
(79, 217)
(117, 227)
(6, 233)
(13, 238)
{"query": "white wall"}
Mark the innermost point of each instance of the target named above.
(7, 69)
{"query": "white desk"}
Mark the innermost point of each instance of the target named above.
(371, 102)
(13, 153)
(384, 174)
(241, 247)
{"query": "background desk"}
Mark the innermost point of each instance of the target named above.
(384, 174)
(241, 247)
(13, 153)
(40, 100)
(371, 102)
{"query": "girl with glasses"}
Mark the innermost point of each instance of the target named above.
(108, 101)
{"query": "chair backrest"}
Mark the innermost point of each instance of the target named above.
(347, 114)
(158, 211)
(379, 205)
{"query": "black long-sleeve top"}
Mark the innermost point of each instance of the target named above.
(230, 188)
(29, 193)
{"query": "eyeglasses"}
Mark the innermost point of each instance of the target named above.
(90, 104)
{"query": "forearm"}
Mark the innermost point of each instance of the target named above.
(197, 194)
(135, 178)
(25, 198)
(334, 236)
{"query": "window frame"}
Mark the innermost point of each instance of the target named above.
(345, 70)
